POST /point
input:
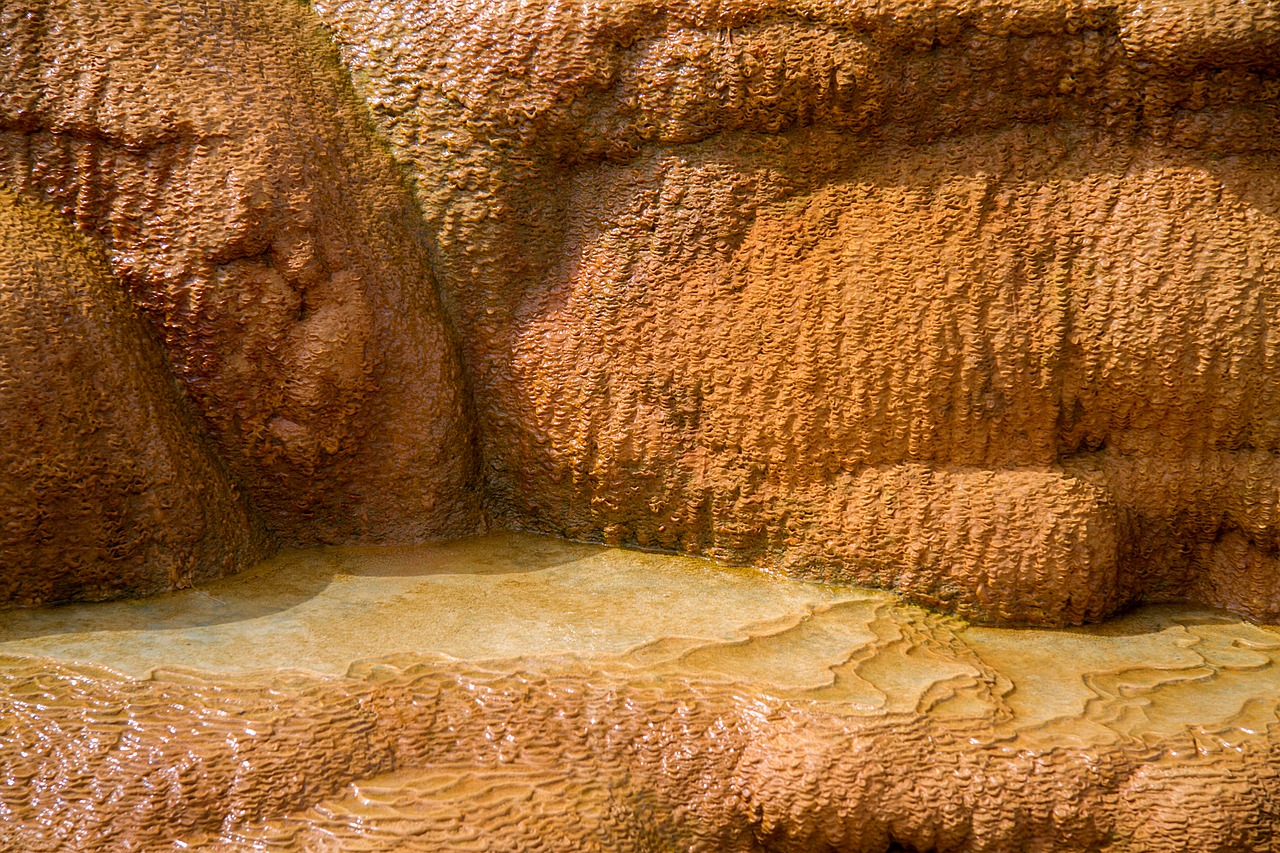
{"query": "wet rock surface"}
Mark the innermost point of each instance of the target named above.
(968, 300)
(107, 485)
(784, 717)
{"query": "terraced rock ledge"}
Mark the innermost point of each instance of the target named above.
(969, 301)
(520, 693)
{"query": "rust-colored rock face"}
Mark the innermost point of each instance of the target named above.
(106, 486)
(969, 300)
(218, 151)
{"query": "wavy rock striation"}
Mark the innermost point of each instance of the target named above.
(969, 300)
(847, 724)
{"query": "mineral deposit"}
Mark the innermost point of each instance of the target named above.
(970, 300)
(518, 693)
(218, 150)
(107, 485)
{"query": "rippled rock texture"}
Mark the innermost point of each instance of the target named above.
(780, 717)
(106, 483)
(219, 152)
(969, 300)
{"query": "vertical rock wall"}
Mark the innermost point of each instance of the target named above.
(969, 300)
(217, 149)
(972, 301)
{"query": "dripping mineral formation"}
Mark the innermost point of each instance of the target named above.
(218, 151)
(972, 301)
(968, 300)
(106, 484)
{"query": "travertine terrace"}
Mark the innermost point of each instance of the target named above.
(881, 303)
(967, 301)
(653, 703)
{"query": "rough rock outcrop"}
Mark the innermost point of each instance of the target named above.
(970, 300)
(107, 486)
(218, 150)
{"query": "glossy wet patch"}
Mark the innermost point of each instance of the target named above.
(498, 692)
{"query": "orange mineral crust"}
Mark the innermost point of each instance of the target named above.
(422, 759)
(972, 300)
(106, 485)
(218, 150)
(750, 714)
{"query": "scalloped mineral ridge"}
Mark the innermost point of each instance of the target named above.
(971, 300)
